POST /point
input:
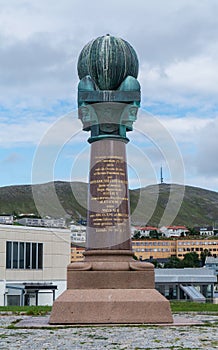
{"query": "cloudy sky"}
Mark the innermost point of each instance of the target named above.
(177, 127)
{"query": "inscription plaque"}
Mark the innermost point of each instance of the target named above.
(108, 214)
(108, 188)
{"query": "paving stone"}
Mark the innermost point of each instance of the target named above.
(141, 337)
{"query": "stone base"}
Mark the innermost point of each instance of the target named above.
(110, 279)
(110, 287)
(91, 306)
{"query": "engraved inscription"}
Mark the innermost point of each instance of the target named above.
(108, 194)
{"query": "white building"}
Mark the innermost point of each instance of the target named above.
(58, 223)
(205, 230)
(78, 233)
(33, 264)
(173, 231)
(6, 219)
(145, 230)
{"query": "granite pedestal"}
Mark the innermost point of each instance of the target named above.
(110, 288)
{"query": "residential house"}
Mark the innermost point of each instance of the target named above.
(174, 231)
(204, 230)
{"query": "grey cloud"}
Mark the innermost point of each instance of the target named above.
(44, 62)
(34, 61)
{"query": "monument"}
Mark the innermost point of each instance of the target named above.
(109, 286)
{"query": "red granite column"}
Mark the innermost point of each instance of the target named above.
(108, 197)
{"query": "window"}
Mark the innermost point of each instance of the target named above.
(40, 255)
(34, 257)
(8, 255)
(21, 258)
(15, 255)
(24, 255)
(13, 300)
(27, 262)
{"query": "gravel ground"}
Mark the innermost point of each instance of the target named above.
(142, 337)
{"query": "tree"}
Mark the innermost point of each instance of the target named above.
(192, 231)
(156, 264)
(173, 262)
(191, 260)
(137, 235)
(204, 254)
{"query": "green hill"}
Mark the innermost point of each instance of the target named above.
(153, 205)
(159, 204)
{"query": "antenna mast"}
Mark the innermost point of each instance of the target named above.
(161, 174)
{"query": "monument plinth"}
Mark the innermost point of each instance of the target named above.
(109, 286)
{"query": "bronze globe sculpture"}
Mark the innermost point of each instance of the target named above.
(108, 61)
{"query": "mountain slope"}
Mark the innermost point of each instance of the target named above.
(195, 206)
(154, 205)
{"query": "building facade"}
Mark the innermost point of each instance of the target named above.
(145, 230)
(146, 249)
(77, 253)
(155, 249)
(57, 223)
(6, 219)
(198, 245)
(204, 230)
(78, 233)
(33, 264)
(174, 231)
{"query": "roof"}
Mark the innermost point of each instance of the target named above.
(203, 228)
(34, 228)
(146, 228)
(211, 260)
(32, 286)
(177, 227)
(186, 275)
(8, 215)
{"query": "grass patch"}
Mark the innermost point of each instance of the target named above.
(214, 343)
(176, 306)
(12, 325)
(28, 310)
(180, 306)
(2, 336)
